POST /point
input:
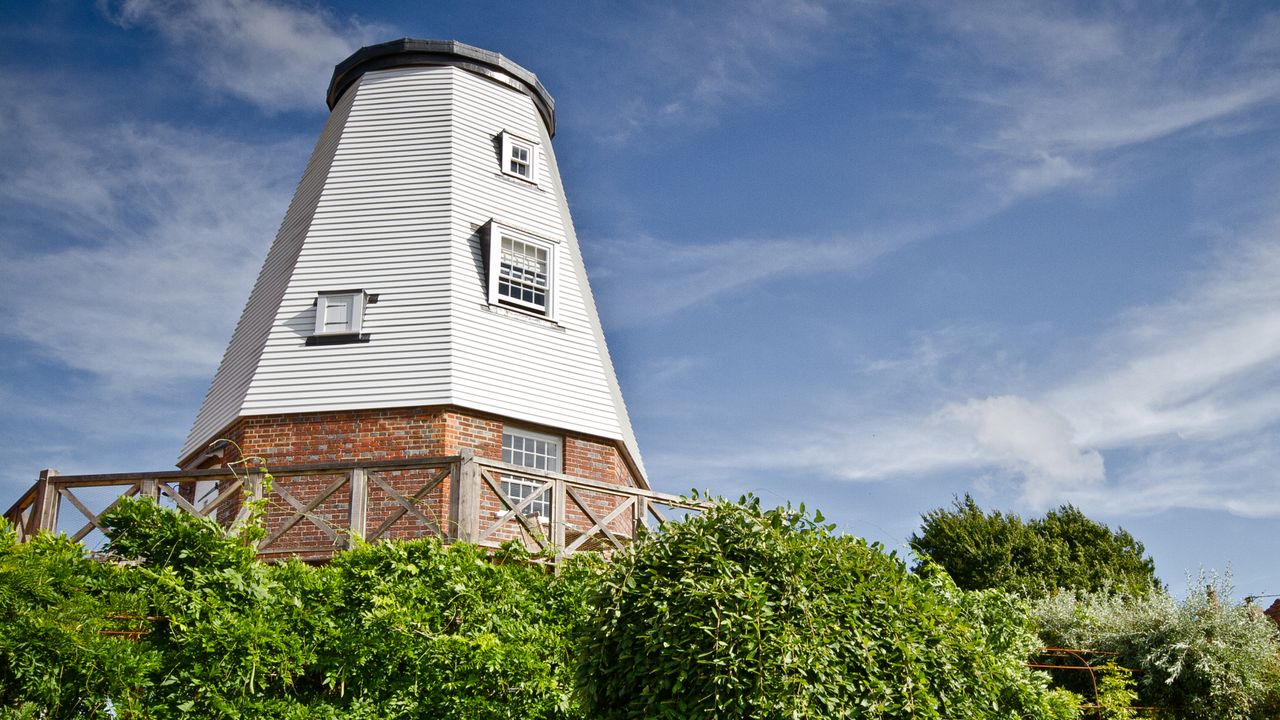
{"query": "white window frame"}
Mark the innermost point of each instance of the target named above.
(510, 144)
(498, 237)
(542, 506)
(519, 432)
(326, 298)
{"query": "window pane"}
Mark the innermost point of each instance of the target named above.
(523, 271)
(531, 452)
(518, 490)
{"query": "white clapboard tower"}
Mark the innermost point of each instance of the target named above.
(425, 293)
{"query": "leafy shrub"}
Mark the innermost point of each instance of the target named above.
(237, 636)
(438, 631)
(746, 613)
(58, 608)
(1199, 659)
(393, 630)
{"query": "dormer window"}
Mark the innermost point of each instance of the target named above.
(519, 157)
(339, 312)
(521, 270)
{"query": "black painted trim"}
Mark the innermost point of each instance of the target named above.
(349, 339)
(407, 52)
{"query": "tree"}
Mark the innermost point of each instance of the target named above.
(1062, 550)
(747, 613)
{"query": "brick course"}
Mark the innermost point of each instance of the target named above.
(405, 433)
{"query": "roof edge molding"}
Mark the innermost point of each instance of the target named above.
(408, 52)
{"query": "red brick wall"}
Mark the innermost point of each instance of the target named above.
(398, 433)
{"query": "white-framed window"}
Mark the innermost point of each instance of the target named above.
(518, 489)
(521, 270)
(532, 450)
(339, 312)
(519, 157)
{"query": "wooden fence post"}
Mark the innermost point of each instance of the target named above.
(46, 506)
(641, 517)
(149, 488)
(359, 506)
(558, 515)
(464, 498)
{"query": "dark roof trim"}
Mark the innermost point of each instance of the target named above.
(408, 52)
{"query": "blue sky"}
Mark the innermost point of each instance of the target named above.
(865, 256)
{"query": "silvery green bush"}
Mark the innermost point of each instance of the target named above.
(1201, 658)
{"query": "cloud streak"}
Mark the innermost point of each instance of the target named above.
(1055, 93)
(1183, 396)
(272, 54)
(678, 276)
(684, 75)
(134, 242)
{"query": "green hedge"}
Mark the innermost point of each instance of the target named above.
(738, 613)
(746, 613)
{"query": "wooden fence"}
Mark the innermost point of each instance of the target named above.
(459, 498)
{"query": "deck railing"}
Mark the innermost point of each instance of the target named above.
(314, 510)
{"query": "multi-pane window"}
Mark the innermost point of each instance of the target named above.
(518, 163)
(518, 490)
(523, 273)
(519, 157)
(532, 450)
(521, 270)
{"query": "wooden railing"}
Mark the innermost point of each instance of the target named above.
(314, 510)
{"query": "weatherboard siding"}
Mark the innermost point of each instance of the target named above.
(507, 362)
(382, 226)
(226, 393)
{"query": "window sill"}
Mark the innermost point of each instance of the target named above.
(528, 316)
(542, 519)
(343, 339)
(516, 179)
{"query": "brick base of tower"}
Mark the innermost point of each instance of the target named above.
(396, 434)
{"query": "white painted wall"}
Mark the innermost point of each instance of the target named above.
(407, 171)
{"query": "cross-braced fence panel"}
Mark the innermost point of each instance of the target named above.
(408, 503)
(308, 514)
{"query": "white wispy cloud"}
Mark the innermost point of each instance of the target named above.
(277, 55)
(678, 275)
(128, 250)
(1183, 396)
(1056, 91)
(1201, 365)
(1032, 440)
(153, 236)
(688, 64)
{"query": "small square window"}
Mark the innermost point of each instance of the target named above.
(520, 270)
(519, 157)
(340, 312)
